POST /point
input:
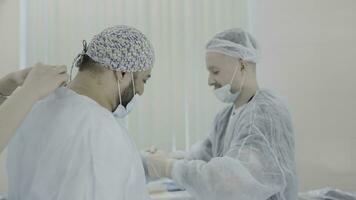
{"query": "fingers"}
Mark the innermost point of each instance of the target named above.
(57, 69)
(20, 76)
(61, 69)
(27, 70)
(152, 149)
(51, 70)
(63, 79)
(38, 64)
(46, 78)
(178, 155)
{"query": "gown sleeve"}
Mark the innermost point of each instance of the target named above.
(248, 170)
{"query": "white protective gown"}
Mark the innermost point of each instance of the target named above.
(248, 155)
(71, 148)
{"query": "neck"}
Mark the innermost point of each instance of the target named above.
(247, 92)
(100, 88)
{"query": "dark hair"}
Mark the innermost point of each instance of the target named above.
(86, 63)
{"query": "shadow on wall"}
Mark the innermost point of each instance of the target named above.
(315, 176)
(1, 4)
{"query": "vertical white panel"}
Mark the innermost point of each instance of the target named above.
(178, 106)
(23, 33)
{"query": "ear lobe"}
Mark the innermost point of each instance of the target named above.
(242, 63)
(125, 79)
(118, 75)
(121, 75)
(126, 75)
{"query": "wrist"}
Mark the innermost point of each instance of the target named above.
(7, 85)
(169, 168)
(28, 93)
(11, 79)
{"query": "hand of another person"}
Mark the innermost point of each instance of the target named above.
(159, 164)
(43, 79)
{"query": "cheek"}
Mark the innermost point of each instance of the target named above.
(218, 81)
(140, 88)
(223, 79)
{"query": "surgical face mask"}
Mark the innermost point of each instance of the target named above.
(224, 93)
(121, 111)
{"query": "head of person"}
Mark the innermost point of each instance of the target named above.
(122, 57)
(231, 58)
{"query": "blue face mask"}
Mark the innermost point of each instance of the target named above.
(121, 111)
(224, 93)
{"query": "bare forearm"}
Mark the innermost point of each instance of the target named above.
(12, 113)
(8, 85)
(2, 99)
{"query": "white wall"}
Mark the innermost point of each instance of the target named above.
(9, 54)
(309, 51)
(308, 48)
(178, 30)
(9, 27)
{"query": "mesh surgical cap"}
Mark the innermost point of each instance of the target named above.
(236, 43)
(119, 48)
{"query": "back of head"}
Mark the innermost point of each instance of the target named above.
(88, 64)
(236, 43)
(119, 48)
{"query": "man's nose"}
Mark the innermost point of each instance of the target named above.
(140, 91)
(211, 81)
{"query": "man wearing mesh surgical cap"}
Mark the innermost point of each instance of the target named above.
(70, 145)
(249, 152)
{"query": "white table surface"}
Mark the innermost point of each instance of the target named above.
(181, 195)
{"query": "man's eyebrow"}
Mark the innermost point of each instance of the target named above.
(211, 67)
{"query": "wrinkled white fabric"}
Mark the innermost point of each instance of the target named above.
(327, 194)
(249, 157)
(69, 147)
(236, 43)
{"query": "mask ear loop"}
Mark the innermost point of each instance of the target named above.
(243, 77)
(233, 76)
(118, 85)
(133, 83)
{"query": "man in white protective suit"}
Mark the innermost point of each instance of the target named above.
(249, 152)
(70, 146)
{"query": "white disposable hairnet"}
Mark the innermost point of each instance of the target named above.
(236, 43)
(120, 48)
